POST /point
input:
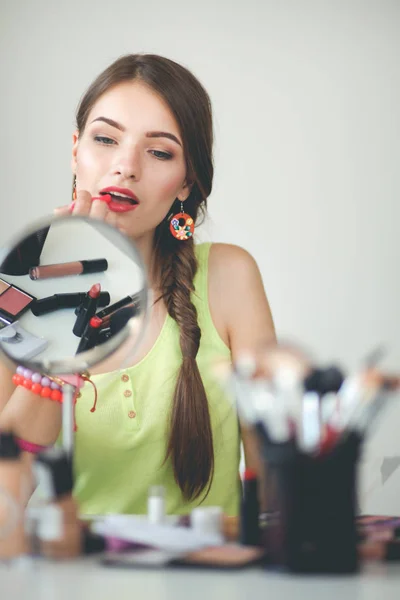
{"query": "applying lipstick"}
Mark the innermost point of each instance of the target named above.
(88, 309)
(119, 200)
(104, 198)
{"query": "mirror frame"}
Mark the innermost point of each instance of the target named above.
(82, 362)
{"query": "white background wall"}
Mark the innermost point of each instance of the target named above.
(306, 95)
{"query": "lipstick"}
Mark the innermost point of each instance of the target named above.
(133, 301)
(79, 267)
(104, 329)
(117, 321)
(99, 330)
(104, 198)
(90, 336)
(87, 310)
(58, 301)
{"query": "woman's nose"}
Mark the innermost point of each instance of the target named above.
(128, 163)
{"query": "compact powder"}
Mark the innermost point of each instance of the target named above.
(13, 301)
(3, 286)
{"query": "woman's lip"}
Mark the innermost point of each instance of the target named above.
(114, 205)
(124, 191)
(118, 207)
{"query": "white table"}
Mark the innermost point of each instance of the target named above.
(87, 580)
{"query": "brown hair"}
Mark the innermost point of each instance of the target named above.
(190, 444)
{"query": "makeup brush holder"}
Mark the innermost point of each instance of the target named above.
(312, 499)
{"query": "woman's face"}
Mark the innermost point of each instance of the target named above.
(131, 143)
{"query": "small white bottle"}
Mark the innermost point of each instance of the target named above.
(156, 505)
(207, 520)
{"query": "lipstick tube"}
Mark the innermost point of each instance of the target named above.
(79, 267)
(87, 311)
(127, 312)
(90, 336)
(58, 301)
(133, 301)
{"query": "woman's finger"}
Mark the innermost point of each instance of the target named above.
(99, 209)
(63, 211)
(112, 218)
(83, 203)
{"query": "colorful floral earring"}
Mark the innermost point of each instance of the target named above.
(182, 225)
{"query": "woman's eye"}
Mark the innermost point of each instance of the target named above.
(161, 155)
(101, 139)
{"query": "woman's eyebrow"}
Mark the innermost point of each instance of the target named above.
(149, 134)
(157, 134)
(110, 122)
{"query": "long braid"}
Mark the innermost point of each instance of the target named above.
(190, 444)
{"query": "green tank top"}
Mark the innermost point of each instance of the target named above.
(120, 448)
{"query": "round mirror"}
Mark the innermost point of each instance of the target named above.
(72, 291)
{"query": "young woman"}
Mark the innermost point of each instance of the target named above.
(144, 138)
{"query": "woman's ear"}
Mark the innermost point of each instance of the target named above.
(75, 141)
(185, 190)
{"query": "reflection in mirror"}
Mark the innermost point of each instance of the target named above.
(72, 290)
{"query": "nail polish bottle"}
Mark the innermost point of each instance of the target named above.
(59, 529)
(156, 505)
(13, 495)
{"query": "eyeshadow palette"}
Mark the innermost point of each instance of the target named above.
(13, 302)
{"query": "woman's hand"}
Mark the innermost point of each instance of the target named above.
(87, 206)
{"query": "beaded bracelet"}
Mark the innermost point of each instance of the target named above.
(48, 387)
(38, 384)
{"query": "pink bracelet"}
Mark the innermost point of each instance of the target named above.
(30, 446)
